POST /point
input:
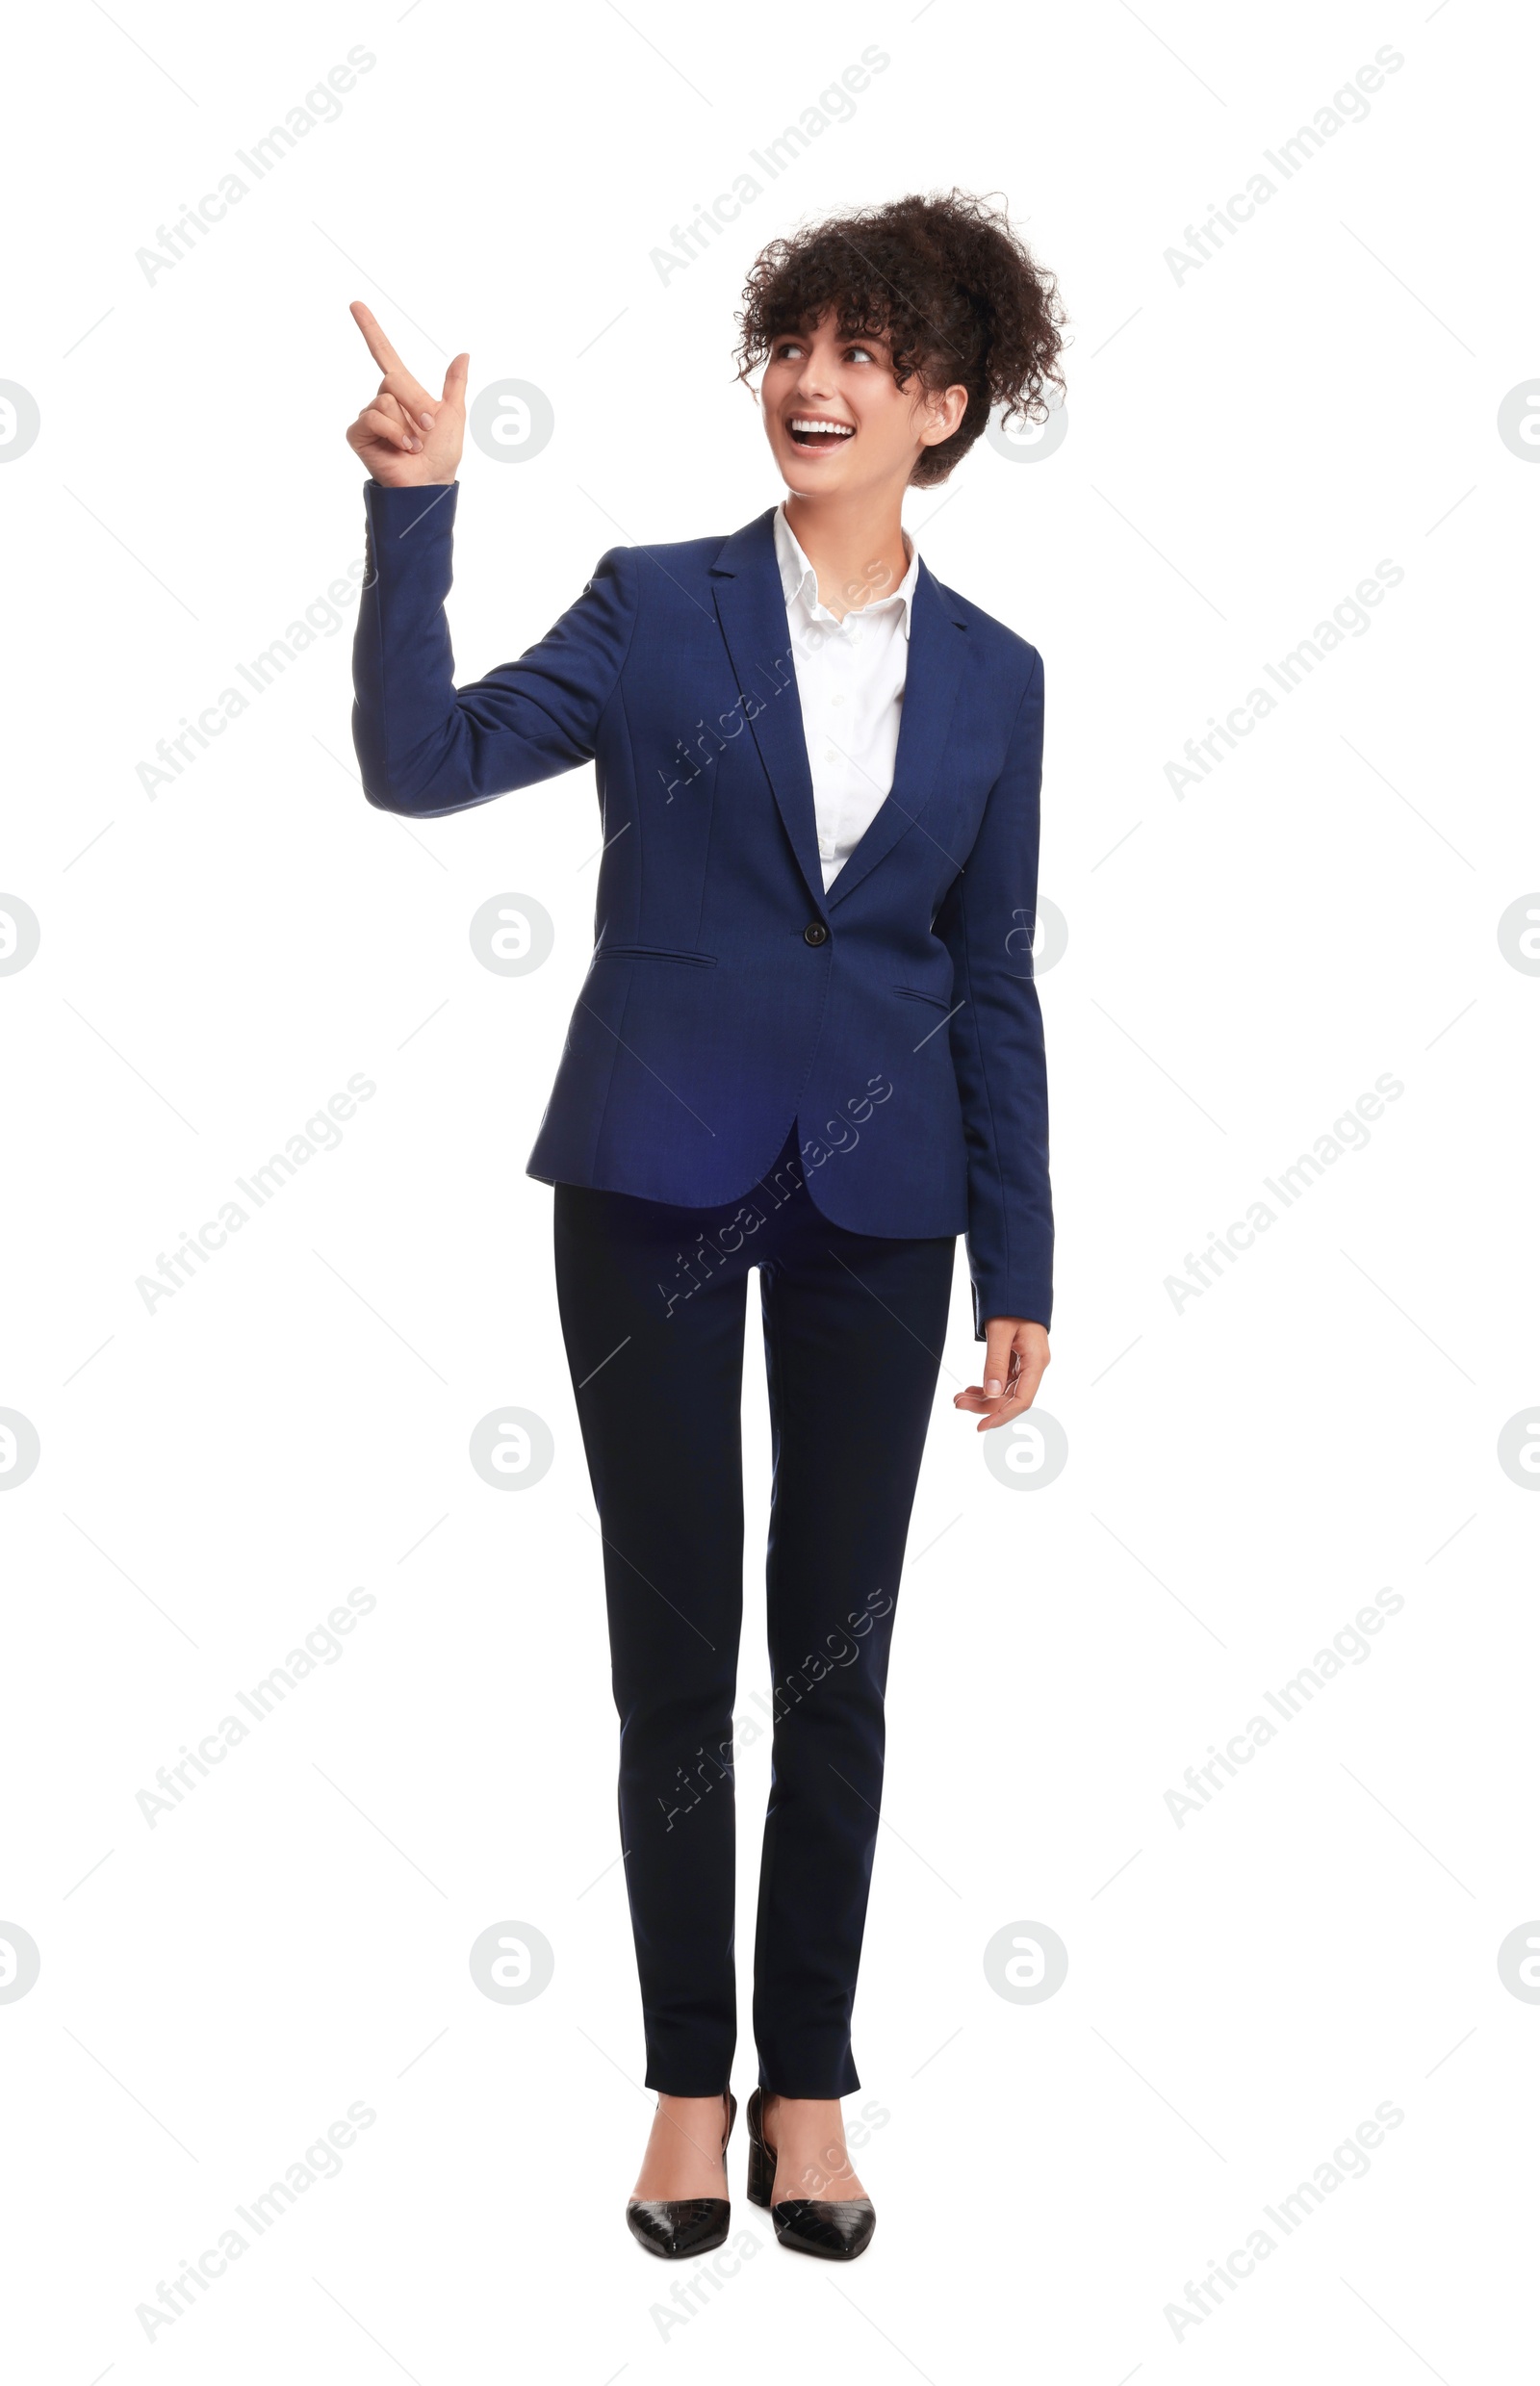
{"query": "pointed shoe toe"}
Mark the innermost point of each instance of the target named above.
(673, 2231)
(836, 2232)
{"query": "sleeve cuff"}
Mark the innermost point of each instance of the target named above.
(403, 522)
(1035, 1303)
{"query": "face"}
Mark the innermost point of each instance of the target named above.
(838, 421)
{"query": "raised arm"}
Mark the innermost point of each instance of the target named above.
(425, 747)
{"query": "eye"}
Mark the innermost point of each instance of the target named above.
(788, 348)
(859, 348)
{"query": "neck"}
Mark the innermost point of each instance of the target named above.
(855, 544)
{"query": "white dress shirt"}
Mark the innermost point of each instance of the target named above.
(849, 685)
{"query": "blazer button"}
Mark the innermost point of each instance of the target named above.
(816, 932)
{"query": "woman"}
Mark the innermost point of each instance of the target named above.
(808, 1041)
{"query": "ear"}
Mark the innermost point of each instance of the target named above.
(945, 410)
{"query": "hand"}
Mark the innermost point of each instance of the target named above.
(1015, 1354)
(408, 439)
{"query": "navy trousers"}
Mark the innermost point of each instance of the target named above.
(653, 1303)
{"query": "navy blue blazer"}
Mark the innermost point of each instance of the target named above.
(894, 1020)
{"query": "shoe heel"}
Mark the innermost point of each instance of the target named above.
(762, 2161)
(761, 2173)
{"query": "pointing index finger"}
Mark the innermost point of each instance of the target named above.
(379, 348)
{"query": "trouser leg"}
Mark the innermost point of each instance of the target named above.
(658, 1383)
(853, 1327)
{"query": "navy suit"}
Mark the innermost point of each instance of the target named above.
(892, 1022)
(825, 1090)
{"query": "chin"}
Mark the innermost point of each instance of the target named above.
(809, 480)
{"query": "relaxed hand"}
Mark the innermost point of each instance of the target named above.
(1015, 1354)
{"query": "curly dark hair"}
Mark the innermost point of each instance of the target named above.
(945, 280)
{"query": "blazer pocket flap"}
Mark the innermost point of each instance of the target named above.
(654, 952)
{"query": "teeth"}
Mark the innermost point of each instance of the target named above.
(827, 430)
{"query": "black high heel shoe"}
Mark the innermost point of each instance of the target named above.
(837, 2232)
(694, 2225)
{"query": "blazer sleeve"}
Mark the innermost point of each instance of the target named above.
(425, 747)
(987, 919)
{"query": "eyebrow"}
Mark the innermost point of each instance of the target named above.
(795, 331)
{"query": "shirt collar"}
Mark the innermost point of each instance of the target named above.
(798, 578)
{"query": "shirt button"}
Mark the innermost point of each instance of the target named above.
(816, 932)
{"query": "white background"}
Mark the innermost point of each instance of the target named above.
(1244, 1473)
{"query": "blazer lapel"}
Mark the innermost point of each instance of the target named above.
(751, 609)
(933, 669)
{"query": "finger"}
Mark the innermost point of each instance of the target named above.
(390, 433)
(390, 430)
(999, 1335)
(1023, 1376)
(1015, 1404)
(379, 348)
(1016, 1401)
(454, 380)
(411, 396)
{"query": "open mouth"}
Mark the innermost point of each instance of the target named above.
(814, 434)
